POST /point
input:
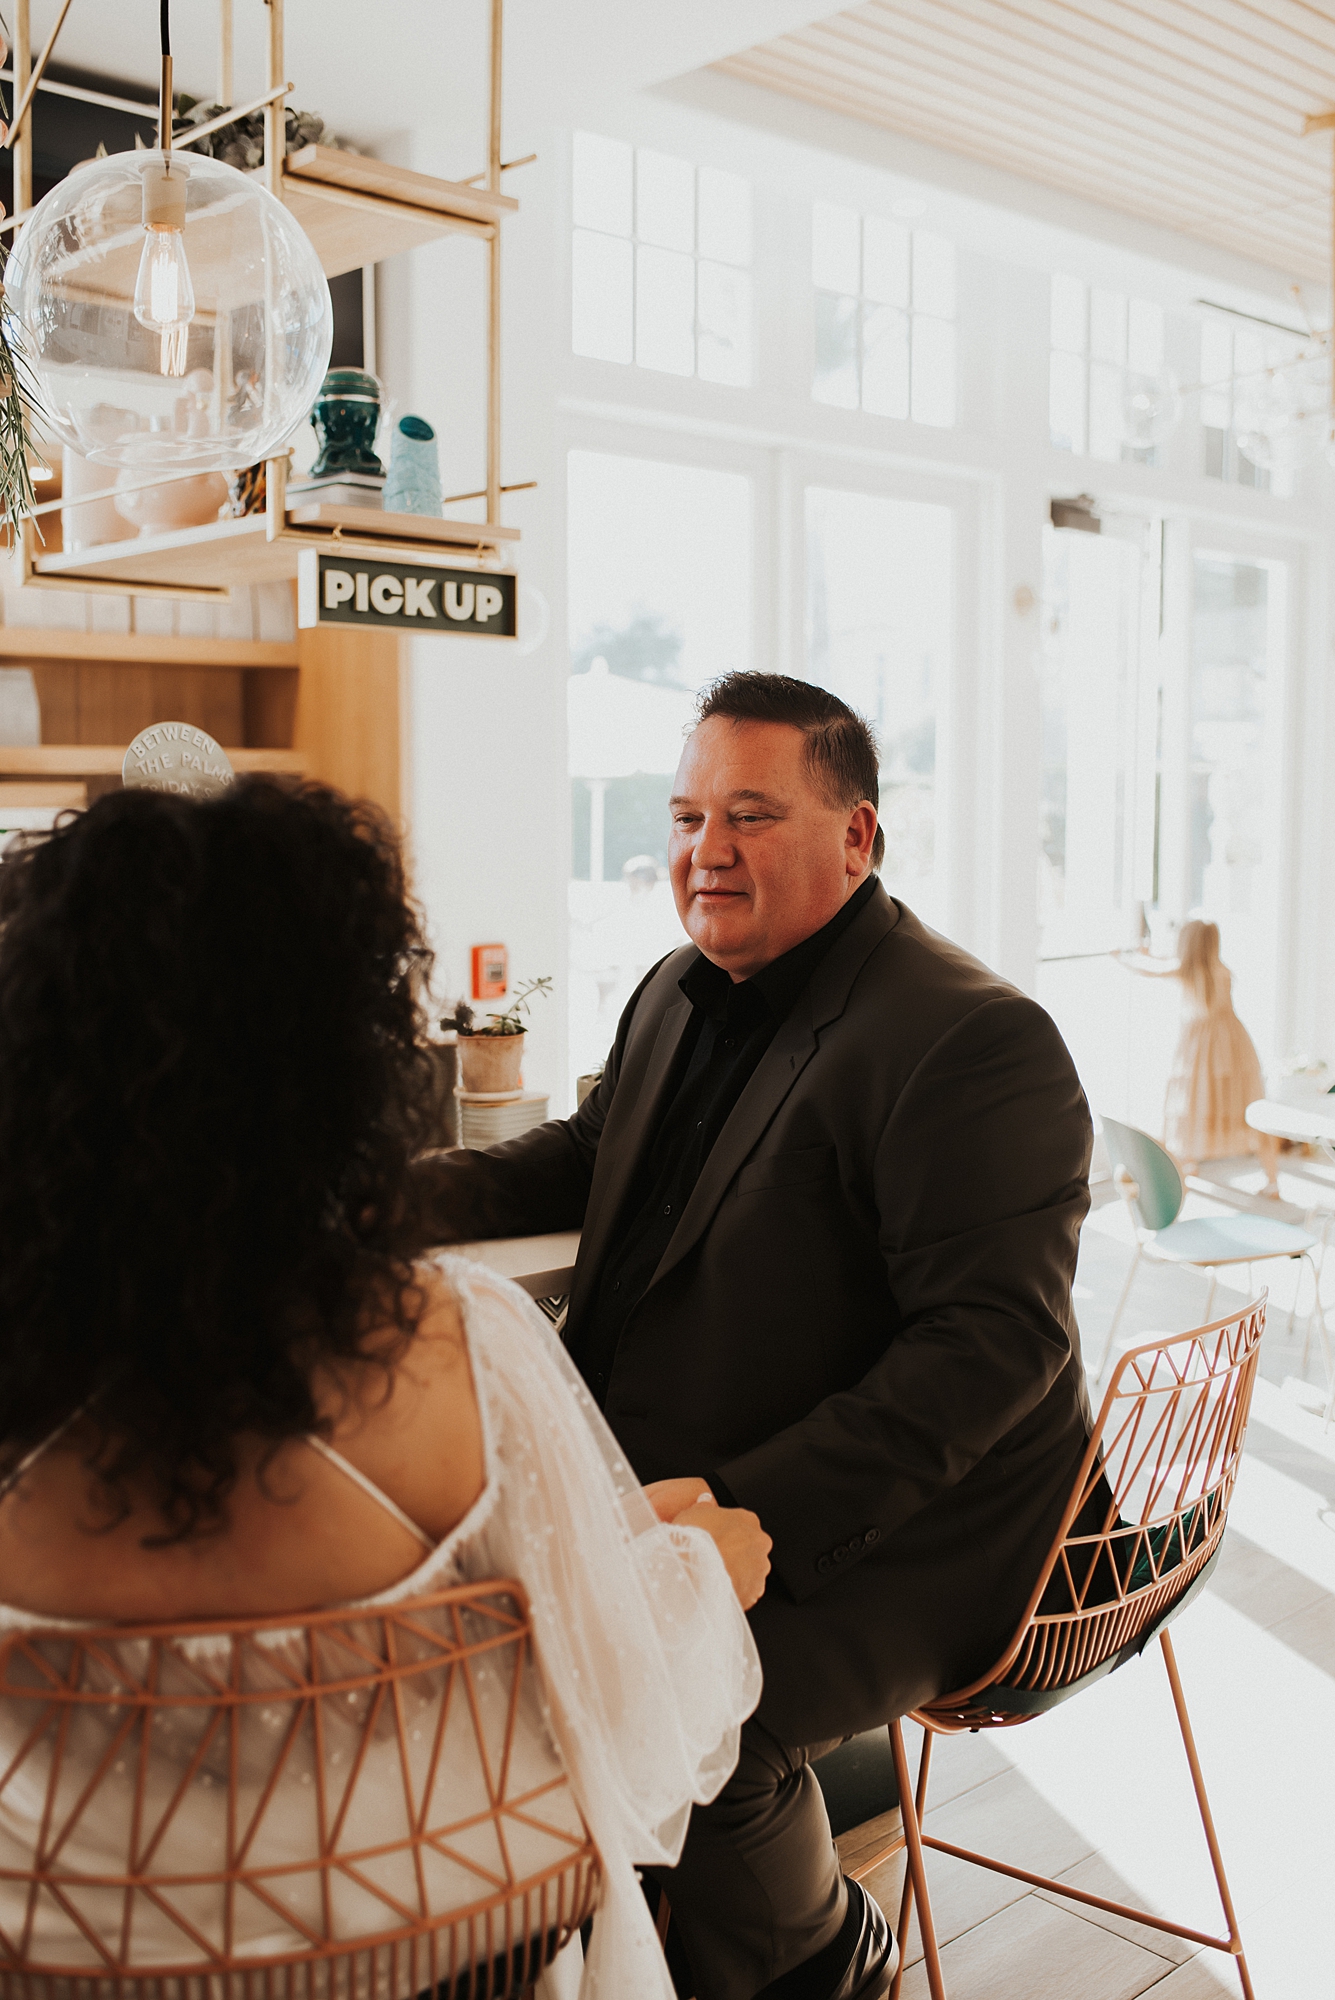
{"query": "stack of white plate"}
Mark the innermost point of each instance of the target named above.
(488, 1116)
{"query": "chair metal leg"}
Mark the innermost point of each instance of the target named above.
(1207, 1817)
(906, 1900)
(917, 1874)
(1318, 1313)
(1113, 1323)
(1210, 1290)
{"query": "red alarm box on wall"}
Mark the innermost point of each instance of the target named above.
(491, 971)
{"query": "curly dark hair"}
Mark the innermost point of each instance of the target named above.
(212, 1085)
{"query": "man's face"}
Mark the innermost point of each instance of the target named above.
(759, 859)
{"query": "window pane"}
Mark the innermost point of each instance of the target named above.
(1068, 315)
(724, 330)
(885, 261)
(601, 184)
(933, 274)
(1144, 336)
(1066, 401)
(835, 259)
(1105, 410)
(879, 635)
(665, 311)
(933, 371)
(1107, 325)
(724, 226)
(601, 293)
(664, 200)
(836, 380)
(885, 361)
(1216, 375)
(660, 589)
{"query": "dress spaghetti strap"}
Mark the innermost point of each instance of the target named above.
(369, 1487)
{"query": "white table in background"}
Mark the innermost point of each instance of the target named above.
(543, 1265)
(1313, 1120)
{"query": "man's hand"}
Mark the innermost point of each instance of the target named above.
(736, 1533)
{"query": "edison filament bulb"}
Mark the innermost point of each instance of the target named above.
(164, 298)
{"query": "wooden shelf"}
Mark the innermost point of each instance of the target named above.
(398, 528)
(146, 649)
(359, 211)
(79, 760)
(240, 552)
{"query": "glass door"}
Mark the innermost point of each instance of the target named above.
(1100, 672)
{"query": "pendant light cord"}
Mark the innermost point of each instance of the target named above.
(165, 100)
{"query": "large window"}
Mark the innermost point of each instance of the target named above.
(1101, 340)
(660, 602)
(879, 595)
(885, 316)
(661, 262)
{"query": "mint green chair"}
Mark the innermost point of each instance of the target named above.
(1151, 1186)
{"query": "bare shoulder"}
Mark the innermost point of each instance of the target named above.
(408, 1416)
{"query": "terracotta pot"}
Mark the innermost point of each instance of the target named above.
(490, 1062)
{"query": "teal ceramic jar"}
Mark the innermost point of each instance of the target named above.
(345, 417)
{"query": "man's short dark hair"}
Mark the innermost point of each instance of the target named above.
(841, 752)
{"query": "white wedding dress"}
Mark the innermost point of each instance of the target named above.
(648, 1668)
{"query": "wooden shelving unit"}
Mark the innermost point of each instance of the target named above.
(28, 645)
(327, 704)
(84, 760)
(246, 553)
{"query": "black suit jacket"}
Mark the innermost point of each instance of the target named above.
(863, 1321)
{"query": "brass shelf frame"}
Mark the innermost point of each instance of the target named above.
(334, 196)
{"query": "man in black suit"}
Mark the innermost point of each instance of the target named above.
(830, 1187)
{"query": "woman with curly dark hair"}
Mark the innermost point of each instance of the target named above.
(232, 1380)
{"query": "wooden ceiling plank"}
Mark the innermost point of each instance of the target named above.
(1110, 169)
(1209, 146)
(1166, 26)
(1060, 128)
(1011, 28)
(1303, 252)
(1193, 66)
(1270, 27)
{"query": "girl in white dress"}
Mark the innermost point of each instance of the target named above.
(232, 1383)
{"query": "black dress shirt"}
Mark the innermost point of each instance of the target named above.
(730, 1028)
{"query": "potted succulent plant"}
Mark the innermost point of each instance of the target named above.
(491, 1055)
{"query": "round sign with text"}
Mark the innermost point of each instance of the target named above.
(177, 757)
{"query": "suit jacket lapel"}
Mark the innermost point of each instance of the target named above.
(778, 1070)
(637, 1104)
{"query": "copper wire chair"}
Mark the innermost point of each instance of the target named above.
(368, 1817)
(1138, 1539)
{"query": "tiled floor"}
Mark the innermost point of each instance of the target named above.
(1098, 1793)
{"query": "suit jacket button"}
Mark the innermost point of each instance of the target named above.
(855, 1544)
(841, 1553)
(871, 1535)
(824, 1564)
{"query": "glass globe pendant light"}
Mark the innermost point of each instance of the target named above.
(1283, 419)
(1151, 408)
(173, 313)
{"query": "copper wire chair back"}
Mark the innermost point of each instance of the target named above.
(1142, 1526)
(349, 1805)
